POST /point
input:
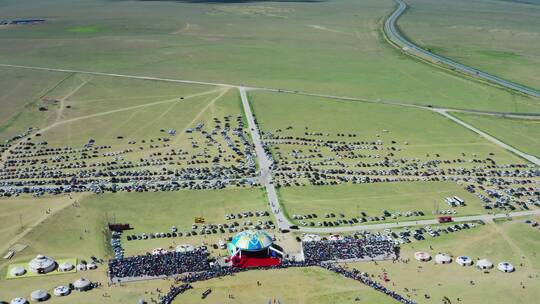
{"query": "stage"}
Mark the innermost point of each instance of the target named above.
(249, 262)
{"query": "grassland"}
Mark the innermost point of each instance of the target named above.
(499, 37)
(511, 241)
(374, 199)
(425, 132)
(332, 47)
(523, 134)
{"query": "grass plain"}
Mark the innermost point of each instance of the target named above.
(332, 47)
(499, 37)
(522, 134)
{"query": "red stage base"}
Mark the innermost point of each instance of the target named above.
(247, 262)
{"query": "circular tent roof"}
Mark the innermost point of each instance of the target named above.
(61, 291)
(39, 295)
(82, 284)
(184, 248)
(484, 264)
(505, 267)
(17, 271)
(42, 263)
(312, 238)
(18, 300)
(443, 258)
(464, 260)
(250, 240)
(66, 267)
(422, 256)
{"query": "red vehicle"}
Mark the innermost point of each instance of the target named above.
(445, 219)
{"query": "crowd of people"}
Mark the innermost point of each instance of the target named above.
(173, 293)
(349, 248)
(167, 264)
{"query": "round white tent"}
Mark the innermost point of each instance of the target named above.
(81, 267)
(311, 238)
(65, 267)
(484, 264)
(422, 256)
(18, 300)
(464, 260)
(17, 271)
(91, 266)
(506, 267)
(443, 258)
(42, 264)
(82, 284)
(61, 291)
(184, 248)
(39, 296)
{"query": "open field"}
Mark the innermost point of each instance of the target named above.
(498, 37)
(374, 199)
(522, 134)
(332, 47)
(511, 241)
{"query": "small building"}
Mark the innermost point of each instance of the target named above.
(39, 295)
(18, 300)
(82, 284)
(61, 291)
(184, 248)
(506, 267)
(81, 267)
(422, 256)
(443, 258)
(42, 264)
(311, 238)
(65, 267)
(464, 260)
(484, 264)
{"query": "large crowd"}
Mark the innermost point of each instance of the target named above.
(349, 248)
(173, 293)
(167, 264)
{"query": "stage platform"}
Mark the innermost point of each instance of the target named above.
(249, 262)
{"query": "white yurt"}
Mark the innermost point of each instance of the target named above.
(18, 300)
(82, 284)
(464, 260)
(158, 251)
(81, 267)
(42, 264)
(91, 266)
(61, 291)
(422, 256)
(39, 295)
(17, 271)
(484, 264)
(184, 248)
(65, 267)
(311, 238)
(443, 258)
(506, 267)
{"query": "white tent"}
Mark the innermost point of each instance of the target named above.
(65, 267)
(81, 267)
(82, 284)
(443, 258)
(17, 271)
(422, 256)
(311, 238)
(91, 266)
(506, 267)
(61, 291)
(484, 264)
(184, 248)
(39, 296)
(42, 264)
(18, 300)
(464, 260)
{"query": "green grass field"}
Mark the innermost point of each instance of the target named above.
(333, 47)
(523, 134)
(374, 199)
(499, 37)
(511, 241)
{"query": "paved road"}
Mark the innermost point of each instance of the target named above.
(484, 217)
(264, 164)
(395, 36)
(531, 158)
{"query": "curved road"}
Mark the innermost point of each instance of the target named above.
(395, 36)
